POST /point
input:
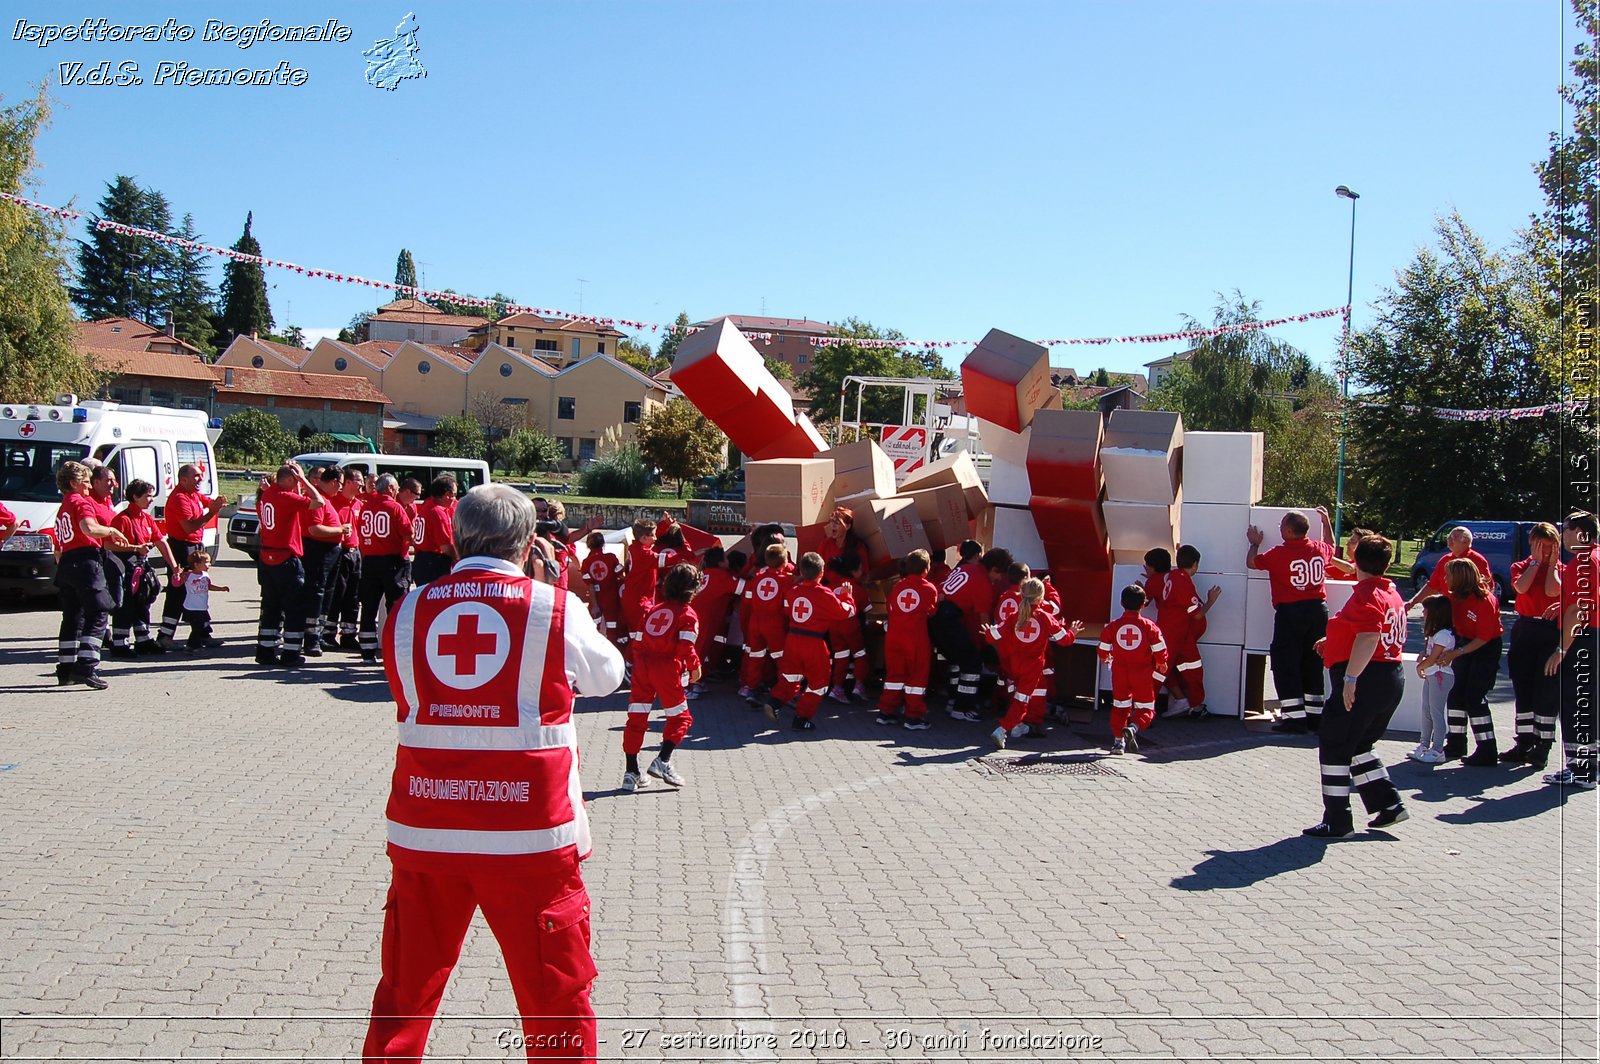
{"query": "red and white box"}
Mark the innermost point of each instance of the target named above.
(718, 369)
(1006, 378)
(801, 441)
(1073, 532)
(1064, 454)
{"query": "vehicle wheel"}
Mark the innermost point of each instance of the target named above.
(1499, 592)
(1418, 578)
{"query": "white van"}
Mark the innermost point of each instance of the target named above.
(139, 442)
(244, 529)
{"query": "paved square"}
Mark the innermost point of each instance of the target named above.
(191, 866)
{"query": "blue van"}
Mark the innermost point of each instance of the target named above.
(1501, 542)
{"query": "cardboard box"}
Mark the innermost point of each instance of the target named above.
(1064, 454)
(801, 441)
(1084, 594)
(860, 467)
(1123, 574)
(793, 486)
(1225, 621)
(1141, 526)
(757, 424)
(1222, 467)
(957, 469)
(1008, 483)
(943, 512)
(889, 527)
(1258, 615)
(1268, 518)
(1224, 665)
(1142, 454)
(1073, 532)
(1217, 531)
(718, 369)
(1005, 379)
(1013, 529)
(1002, 444)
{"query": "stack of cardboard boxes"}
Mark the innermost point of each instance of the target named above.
(1006, 381)
(728, 381)
(1068, 506)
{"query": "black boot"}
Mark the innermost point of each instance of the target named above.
(1537, 753)
(1518, 754)
(1455, 746)
(1486, 754)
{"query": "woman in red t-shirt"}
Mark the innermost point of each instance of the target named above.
(86, 600)
(1535, 636)
(1362, 651)
(1475, 661)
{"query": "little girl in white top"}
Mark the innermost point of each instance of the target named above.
(1437, 677)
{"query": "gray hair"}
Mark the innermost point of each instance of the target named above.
(384, 483)
(1462, 531)
(495, 521)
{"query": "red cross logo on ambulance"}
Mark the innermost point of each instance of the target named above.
(658, 622)
(801, 610)
(1129, 637)
(908, 600)
(467, 645)
(767, 588)
(26, 429)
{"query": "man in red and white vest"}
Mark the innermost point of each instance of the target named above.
(486, 808)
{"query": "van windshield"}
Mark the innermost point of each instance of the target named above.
(28, 469)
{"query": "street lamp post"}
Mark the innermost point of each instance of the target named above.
(1345, 192)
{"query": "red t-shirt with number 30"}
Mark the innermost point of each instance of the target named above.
(1297, 569)
(1374, 606)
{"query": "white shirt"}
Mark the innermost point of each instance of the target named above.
(1444, 639)
(196, 592)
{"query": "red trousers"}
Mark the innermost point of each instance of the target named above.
(849, 647)
(542, 925)
(906, 662)
(763, 650)
(806, 668)
(656, 677)
(1027, 697)
(1133, 694)
(1186, 674)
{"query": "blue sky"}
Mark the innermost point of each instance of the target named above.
(1052, 169)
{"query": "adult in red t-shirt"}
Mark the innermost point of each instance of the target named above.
(130, 621)
(1296, 568)
(967, 602)
(1577, 659)
(324, 548)
(431, 530)
(1460, 543)
(385, 535)
(1475, 661)
(1536, 634)
(284, 508)
(344, 597)
(186, 517)
(1362, 651)
(81, 577)
(8, 524)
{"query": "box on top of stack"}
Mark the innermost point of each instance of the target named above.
(728, 381)
(857, 467)
(887, 526)
(1063, 455)
(1142, 455)
(787, 490)
(1005, 379)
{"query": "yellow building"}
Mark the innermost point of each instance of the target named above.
(557, 341)
(248, 352)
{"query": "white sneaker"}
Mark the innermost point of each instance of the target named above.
(970, 716)
(663, 771)
(1431, 757)
(1020, 730)
(998, 737)
(632, 781)
(1416, 754)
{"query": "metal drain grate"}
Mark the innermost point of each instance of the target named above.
(1048, 765)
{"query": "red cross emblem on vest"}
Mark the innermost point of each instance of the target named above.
(467, 645)
(767, 589)
(1008, 609)
(801, 610)
(658, 622)
(1129, 637)
(1029, 632)
(908, 600)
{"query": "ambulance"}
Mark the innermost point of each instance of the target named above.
(140, 442)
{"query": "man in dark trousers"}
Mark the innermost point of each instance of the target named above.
(186, 516)
(1297, 568)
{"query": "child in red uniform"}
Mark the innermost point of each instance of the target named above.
(1181, 616)
(761, 617)
(639, 583)
(1024, 645)
(664, 663)
(718, 590)
(604, 576)
(1133, 646)
(811, 610)
(907, 651)
(846, 638)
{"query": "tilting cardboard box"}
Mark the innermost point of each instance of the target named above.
(1073, 532)
(1142, 454)
(858, 467)
(718, 369)
(1008, 483)
(1222, 467)
(943, 512)
(1005, 379)
(1004, 445)
(787, 490)
(802, 440)
(888, 527)
(758, 423)
(1064, 454)
(1012, 527)
(1084, 594)
(958, 469)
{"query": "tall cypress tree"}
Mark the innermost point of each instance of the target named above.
(121, 275)
(192, 297)
(405, 272)
(245, 309)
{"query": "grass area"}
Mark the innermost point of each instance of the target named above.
(1405, 555)
(667, 503)
(232, 485)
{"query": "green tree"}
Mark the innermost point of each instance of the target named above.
(674, 337)
(405, 272)
(1102, 379)
(121, 275)
(779, 368)
(637, 353)
(529, 451)
(500, 300)
(255, 436)
(245, 308)
(1463, 328)
(458, 437)
(1570, 175)
(680, 441)
(1302, 457)
(38, 354)
(193, 301)
(356, 331)
(833, 363)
